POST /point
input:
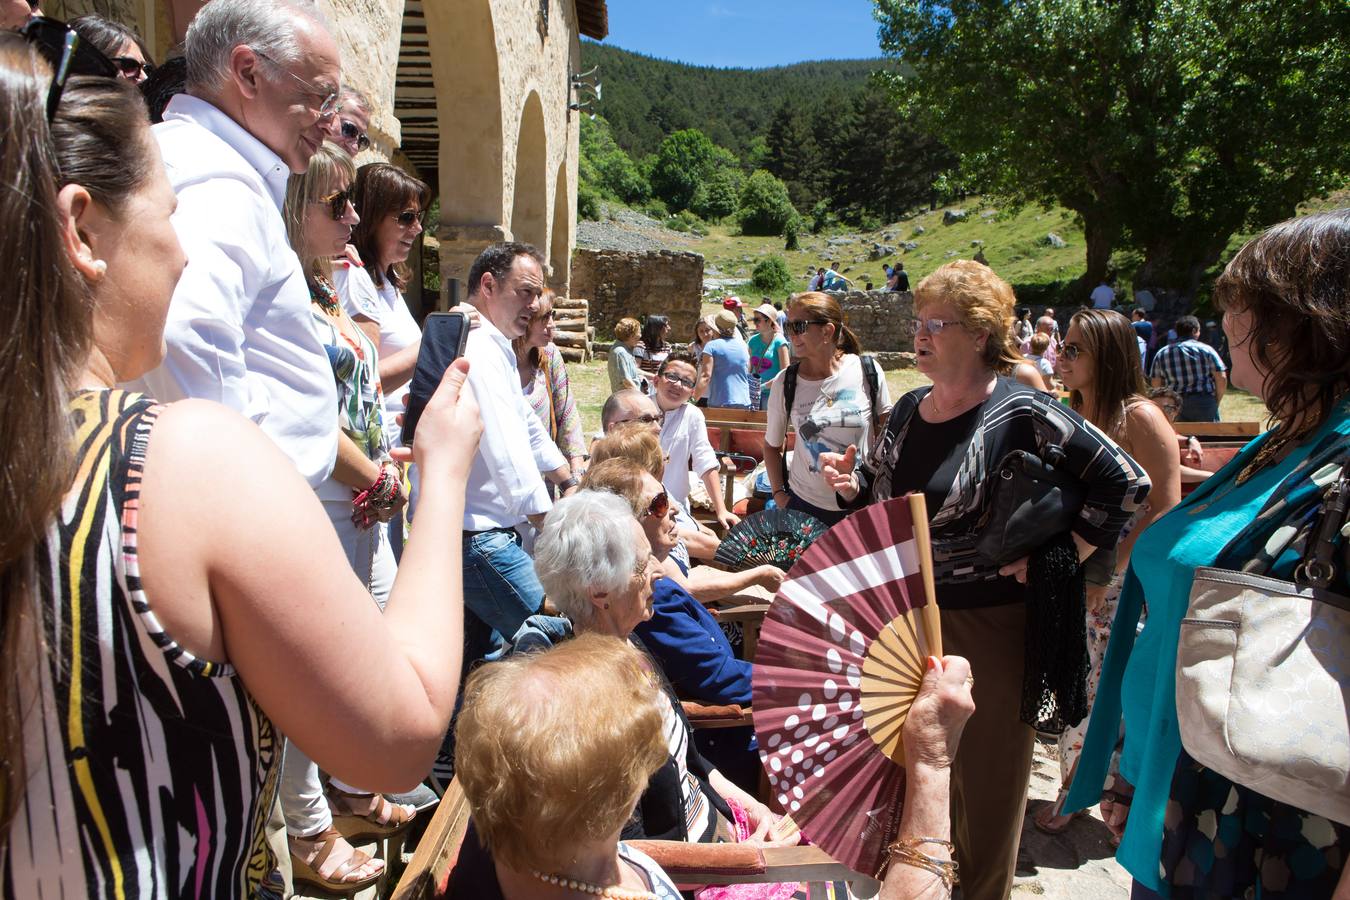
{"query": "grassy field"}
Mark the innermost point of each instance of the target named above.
(590, 387)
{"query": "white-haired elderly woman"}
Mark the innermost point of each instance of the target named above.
(596, 565)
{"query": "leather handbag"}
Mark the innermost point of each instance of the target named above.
(1030, 501)
(1263, 676)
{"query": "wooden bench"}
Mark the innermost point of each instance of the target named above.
(1219, 431)
(690, 865)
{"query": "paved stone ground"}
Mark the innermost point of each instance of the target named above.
(1078, 864)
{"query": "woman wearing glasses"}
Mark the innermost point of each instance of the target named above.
(1099, 362)
(364, 491)
(942, 440)
(123, 47)
(836, 403)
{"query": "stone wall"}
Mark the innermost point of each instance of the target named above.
(626, 283)
(881, 319)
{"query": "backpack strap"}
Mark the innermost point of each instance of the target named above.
(789, 395)
(871, 374)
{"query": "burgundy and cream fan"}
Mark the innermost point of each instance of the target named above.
(841, 654)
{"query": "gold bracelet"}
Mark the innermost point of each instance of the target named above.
(907, 853)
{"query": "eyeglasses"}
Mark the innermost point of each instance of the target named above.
(351, 133)
(337, 203)
(130, 66)
(407, 217)
(676, 379)
(67, 54)
(330, 97)
(932, 326)
(659, 506)
(1071, 351)
(799, 326)
(645, 419)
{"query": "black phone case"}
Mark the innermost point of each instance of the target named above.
(443, 338)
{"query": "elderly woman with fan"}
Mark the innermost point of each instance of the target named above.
(947, 441)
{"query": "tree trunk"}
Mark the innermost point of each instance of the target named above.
(1100, 237)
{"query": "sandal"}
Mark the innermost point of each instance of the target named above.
(1048, 821)
(317, 868)
(368, 816)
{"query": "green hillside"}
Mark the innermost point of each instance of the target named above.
(644, 99)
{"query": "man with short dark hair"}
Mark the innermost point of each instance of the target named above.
(505, 489)
(900, 277)
(1194, 370)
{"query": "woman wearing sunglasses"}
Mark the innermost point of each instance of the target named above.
(1099, 363)
(942, 441)
(364, 492)
(123, 47)
(834, 405)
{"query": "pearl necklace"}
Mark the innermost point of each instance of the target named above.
(614, 892)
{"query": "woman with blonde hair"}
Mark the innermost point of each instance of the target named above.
(838, 399)
(543, 378)
(942, 440)
(553, 750)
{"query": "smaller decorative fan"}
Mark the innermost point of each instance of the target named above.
(775, 536)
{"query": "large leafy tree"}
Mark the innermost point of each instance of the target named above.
(685, 161)
(1167, 125)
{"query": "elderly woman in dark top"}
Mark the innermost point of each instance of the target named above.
(942, 441)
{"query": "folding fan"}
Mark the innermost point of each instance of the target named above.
(841, 654)
(775, 536)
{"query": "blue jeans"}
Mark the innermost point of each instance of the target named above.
(1199, 408)
(500, 592)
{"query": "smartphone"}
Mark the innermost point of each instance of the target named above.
(443, 337)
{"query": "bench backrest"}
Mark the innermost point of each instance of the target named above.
(427, 873)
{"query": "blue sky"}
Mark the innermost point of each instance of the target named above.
(746, 33)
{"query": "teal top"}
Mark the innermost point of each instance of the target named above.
(764, 359)
(1138, 680)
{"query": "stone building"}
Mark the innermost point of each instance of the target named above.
(473, 96)
(623, 283)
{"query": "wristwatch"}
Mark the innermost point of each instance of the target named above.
(568, 483)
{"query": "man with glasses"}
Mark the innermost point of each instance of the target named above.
(348, 129)
(262, 81)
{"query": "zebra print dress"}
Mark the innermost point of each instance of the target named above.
(150, 772)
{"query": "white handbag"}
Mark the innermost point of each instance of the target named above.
(1263, 677)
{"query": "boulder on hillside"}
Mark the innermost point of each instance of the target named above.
(977, 243)
(839, 241)
(952, 216)
(880, 251)
(909, 245)
(918, 230)
(1055, 241)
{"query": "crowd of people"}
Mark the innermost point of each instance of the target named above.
(245, 628)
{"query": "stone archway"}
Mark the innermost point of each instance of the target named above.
(560, 240)
(462, 39)
(529, 207)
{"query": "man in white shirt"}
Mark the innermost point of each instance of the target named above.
(262, 80)
(505, 488)
(1103, 296)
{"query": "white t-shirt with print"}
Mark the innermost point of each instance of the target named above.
(827, 415)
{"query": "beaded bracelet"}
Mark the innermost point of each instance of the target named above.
(382, 495)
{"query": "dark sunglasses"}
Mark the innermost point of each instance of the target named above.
(351, 133)
(61, 46)
(659, 506)
(799, 326)
(131, 66)
(408, 216)
(337, 203)
(1071, 351)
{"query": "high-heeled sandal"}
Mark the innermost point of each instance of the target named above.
(309, 869)
(367, 816)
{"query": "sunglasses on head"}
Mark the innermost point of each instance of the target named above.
(407, 217)
(1071, 351)
(659, 506)
(337, 203)
(68, 55)
(351, 133)
(799, 326)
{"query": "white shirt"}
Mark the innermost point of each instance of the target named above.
(239, 328)
(1102, 296)
(385, 307)
(504, 482)
(827, 415)
(684, 438)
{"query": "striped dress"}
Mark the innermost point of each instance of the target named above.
(150, 772)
